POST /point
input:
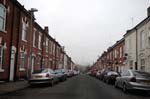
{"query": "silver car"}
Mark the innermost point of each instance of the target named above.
(43, 76)
(136, 80)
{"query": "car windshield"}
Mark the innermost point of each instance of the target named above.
(58, 71)
(44, 71)
(112, 73)
(37, 71)
(141, 74)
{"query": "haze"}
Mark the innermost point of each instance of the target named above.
(87, 27)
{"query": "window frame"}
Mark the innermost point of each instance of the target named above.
(1, 57)
(142, 61)
(3, 17)
(24, 31)
(46, 45)
(142, 37)
(22, 59)
(34, 34)
(40, 41)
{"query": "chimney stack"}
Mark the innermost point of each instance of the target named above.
(148, 11)
(46, 29)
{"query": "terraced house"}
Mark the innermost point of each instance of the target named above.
(131, 52)
(24, 45)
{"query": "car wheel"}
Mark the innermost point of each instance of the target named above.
(116, 84)
(124, 88)
(107, 81)
(52, 83)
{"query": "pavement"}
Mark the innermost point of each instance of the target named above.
(9, 87)
(79, 87)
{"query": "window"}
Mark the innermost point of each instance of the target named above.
(33, 62)
(34, 33)
(1, 56)
(142, 36)
(40, 41)
(131, 64)
(115, 54)
(2, 17)
(46, 62)
(39, 62)
(47, 40)
(142, 64)
(149, 41)
(24, 31)
(54, 48)
(22, 59)
(120, 52)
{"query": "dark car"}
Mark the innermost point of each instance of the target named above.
(110, 77)
(103, 73)
(60, 74)
(133, 80)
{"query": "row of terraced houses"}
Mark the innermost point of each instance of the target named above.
(131, 52)
(24, 45)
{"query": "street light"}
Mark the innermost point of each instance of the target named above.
(30, 51)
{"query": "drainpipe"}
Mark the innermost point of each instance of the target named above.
(55, 56)
(136, 63)
(12, 22)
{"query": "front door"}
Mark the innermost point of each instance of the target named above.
(12, 63)
(32, 68)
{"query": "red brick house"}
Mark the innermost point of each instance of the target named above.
(22, 49)
(118, 55)
(113, 58)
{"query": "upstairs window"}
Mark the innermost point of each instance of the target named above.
(24, 31)
(120, 52)
(2, 17)
(40, 41)
(142, 37)
(34, 34)
(47, 40)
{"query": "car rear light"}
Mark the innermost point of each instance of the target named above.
(133, 79)
(47, 75)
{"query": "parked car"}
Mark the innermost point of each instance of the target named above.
(60, 74)
(75, 73)
(93, 73)
(70, 73)
(43, 76)
(133, 80)
(110, 77)
(103, 73)
(98, 73)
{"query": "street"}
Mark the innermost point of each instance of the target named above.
(79, 87)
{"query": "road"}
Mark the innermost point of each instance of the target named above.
(79, 87)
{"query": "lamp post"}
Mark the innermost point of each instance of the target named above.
(30, 49)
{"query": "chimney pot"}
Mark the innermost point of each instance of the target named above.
(46, 29)
(148, 11)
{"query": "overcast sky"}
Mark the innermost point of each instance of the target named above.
(87, 27)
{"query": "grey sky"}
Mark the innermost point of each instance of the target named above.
(87, 27)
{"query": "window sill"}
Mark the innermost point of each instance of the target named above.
(22, 69)
(34, 46)
(40, 48)
(24, 40)
(3, 31)
(1, 70)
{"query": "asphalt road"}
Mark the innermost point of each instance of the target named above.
(79, 87)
